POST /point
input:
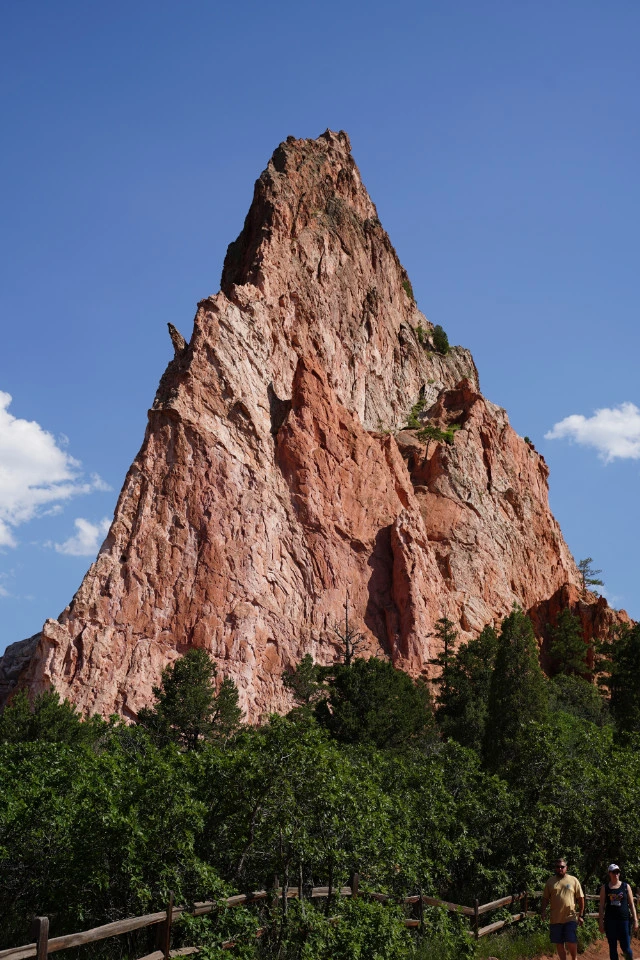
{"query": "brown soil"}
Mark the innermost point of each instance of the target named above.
(599, 951)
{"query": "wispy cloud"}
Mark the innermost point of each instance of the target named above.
(34, 472)
(614, 433)
(87, 539)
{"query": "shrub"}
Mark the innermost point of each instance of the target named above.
(408, 289)
(440, 340)
(413, 423)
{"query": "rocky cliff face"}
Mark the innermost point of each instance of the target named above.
(276, 472)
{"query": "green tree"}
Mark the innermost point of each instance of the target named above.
(461, 712)
(49, 719)
(589, 575)
(619, 667)
(579, 698)
(440, 339)
(187, 709)
(89, 836)
(305, 684)
(517, 694)
(431, 434)
(370, 702)
(568, 648)
(447, 635)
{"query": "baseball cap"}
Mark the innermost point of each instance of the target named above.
(612, 867)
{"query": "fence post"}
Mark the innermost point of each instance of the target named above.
(164, 930)
(475, 918)
(354, 883)
(274, 895)
(526, 903)
(40, 933)
(421, 909)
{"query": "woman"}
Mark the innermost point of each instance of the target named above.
(617, 910)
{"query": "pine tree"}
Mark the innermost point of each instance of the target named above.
(305, 682)
(619, 668)
(447, 636)
(47, 718)
(568, 647)
(187, 709)
(589, 575)
(440, 340)
(371, 702)
(517, 694)
(462, 711)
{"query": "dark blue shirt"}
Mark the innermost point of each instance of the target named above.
(616, 902)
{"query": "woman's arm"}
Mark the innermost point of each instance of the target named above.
(632, 906)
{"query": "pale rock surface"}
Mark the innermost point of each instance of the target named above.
(275, 474)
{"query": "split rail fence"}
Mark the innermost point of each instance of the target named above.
(164, 919)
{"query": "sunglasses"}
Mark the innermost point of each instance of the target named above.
(561, 866)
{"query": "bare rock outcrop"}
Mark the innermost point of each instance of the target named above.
(277, 471)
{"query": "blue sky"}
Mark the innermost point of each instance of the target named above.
(499, 141)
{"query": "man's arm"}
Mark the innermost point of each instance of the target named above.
(543, 905)
(581, 902)
(601, 910)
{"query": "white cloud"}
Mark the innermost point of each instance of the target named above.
(87, 539)
(613, 433)
(34, 471)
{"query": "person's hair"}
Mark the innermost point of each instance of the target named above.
(560, 860)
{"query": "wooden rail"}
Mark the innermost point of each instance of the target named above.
(164, 919)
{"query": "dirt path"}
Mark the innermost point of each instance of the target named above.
(598, 951)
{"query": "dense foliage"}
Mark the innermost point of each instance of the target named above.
(471, 797)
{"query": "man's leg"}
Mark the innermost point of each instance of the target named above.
(556, 935)
(571, 938)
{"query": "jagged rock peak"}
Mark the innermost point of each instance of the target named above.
(276, 473)
(314, 254)
(308, 184)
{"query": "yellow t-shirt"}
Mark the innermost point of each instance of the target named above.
(562, 893)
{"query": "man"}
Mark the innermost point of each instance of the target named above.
(565, 895)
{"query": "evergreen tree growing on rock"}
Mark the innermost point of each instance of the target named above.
(440, 340)
(589, 575)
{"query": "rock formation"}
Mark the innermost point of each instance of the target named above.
(277, 472)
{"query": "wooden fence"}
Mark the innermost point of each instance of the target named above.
(164, 919)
